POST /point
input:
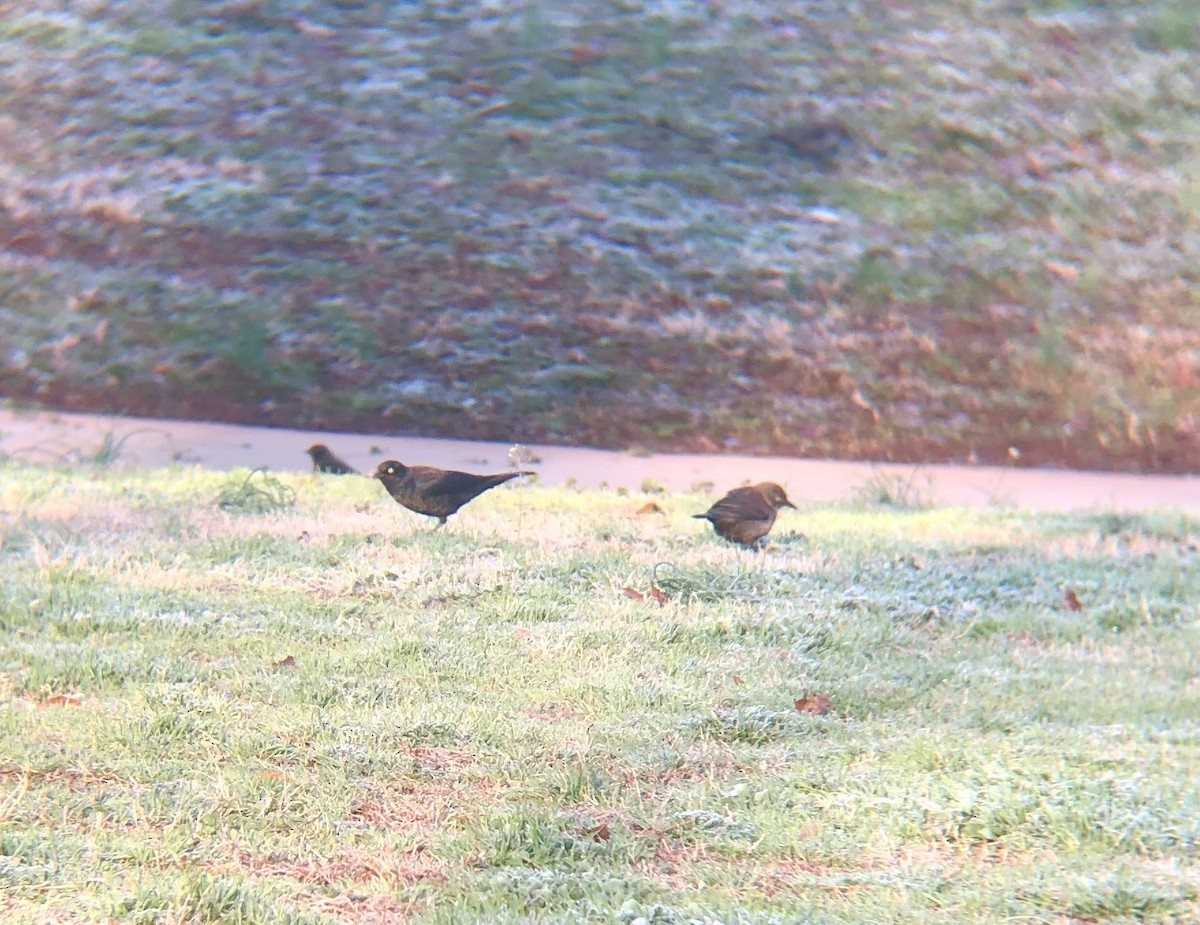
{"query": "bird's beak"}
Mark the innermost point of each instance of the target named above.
(787, 503)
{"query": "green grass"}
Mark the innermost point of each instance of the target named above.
(325, 711)
(450, 217)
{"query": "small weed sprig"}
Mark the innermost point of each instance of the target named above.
(258, 493)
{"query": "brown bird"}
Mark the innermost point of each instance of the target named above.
(435, 492)
(325, 460)
(746, 515)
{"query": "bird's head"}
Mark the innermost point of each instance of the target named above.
(775, 495)
(317, 449)
(389, 470)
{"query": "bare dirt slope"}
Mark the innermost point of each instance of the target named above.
(871, 230)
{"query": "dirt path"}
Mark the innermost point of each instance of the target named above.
(51, 436)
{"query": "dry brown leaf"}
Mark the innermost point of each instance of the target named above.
(738, 680)
(594, 215)
(586, 54)
(650, 508)
(272, 775)
(655, 594)
(1062, 38)
(1064, 271)
(599, 832)
(814, 705)
(288, 661)
(1072, 601)
(860, 401)
(304, 27)
(823, 217)
(60, 347)
(61, 700)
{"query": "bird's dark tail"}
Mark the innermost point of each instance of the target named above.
(501, 477)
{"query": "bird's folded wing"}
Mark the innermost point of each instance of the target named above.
(748, 506)
(456, 483)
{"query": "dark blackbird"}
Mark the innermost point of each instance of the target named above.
(435, 492)
(325, 460)
(746, 515)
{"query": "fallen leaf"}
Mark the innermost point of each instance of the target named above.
(814, 705)
(657, 594)
(61, 700)
(1072, 602)
(1063, 271)
(860, 401)
(594, 214)
(63, 345)
(305, 27)
(288, 661)
(599, 832)
(1061, 37)
(490, 108)
(738, 680)
(823, 217)
(586, 54)
(650, 508)
(272, 775)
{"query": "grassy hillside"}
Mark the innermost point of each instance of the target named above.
(317, 710)
(906, 231)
